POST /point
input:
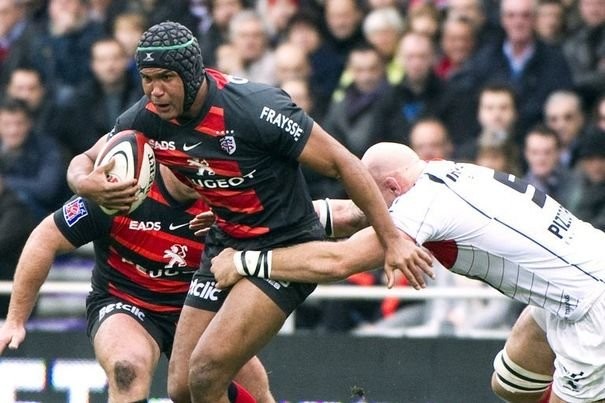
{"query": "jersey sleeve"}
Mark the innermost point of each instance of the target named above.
(412, 213)
(81, 221)
(282, 126)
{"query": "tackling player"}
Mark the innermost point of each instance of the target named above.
(144, 264)
(482, 224)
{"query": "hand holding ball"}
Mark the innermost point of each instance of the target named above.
(133, 159)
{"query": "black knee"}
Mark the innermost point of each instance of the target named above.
(124, 373)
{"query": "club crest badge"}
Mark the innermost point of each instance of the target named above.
(228, 144)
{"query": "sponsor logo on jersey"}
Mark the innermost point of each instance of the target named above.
(162, 145)
(176, 255)
(222, 183)
(277, 284)
(123, 308)
(561, 223)
(204, 290)
(203, 167)
(227, 142)
(189, 147)
(144, 225)
(173, 227)
(74, 211)
(283, 122)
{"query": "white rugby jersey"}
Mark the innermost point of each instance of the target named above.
(496, 228)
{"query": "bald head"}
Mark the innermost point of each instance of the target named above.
(395, 168)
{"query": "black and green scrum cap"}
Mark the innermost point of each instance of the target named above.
(170, 45)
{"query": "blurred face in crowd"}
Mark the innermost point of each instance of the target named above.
(592, 12)
(497, 112)
(417, 55)
(66, 15)
(299, 92)
(228, 60)
(492, 157)
(10, 14)
(601, 114)
(549, 21)
(14, 129)
(367, 69)
(26, 86)
(223, 10)
(517, 19)
(470, 9)
(430, 141)
(291, 62)
(564, 115)
(342, 17)
(424, 23)
(541, 153)
(109, 62)
(305, 36)
(385, 40)
(457, 41)
(594, 168)
(249, 38)
(279, 12)
(128, 30)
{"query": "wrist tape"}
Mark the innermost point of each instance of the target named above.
(325, 217)
(255, 263)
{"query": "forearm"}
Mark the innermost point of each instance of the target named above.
(32, 270)
(340, 218)
(79, 167)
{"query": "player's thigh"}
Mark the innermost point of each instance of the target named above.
(121, 340)
(527, 345)
(246, 322)
(192, 323)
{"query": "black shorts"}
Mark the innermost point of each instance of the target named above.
(160, 326)
(286, 295)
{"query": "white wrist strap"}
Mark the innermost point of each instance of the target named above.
(255, 263)
(325, 217)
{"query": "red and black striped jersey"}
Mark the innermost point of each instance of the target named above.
(240, 153)
(147, 257)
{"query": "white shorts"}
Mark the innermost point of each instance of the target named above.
(580, 354)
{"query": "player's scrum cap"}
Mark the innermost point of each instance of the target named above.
(172, 46)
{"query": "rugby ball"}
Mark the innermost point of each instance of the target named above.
(133, 158)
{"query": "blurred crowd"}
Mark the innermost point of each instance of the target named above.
(516, 85)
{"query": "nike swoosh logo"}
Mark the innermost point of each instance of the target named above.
(172, 227)
(187, 147)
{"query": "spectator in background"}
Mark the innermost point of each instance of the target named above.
(497, 153)
(16, 222)
(430, 139)
(299, 91)
(550, 21)
(457, 46)
(277, 13)
(533, 68)
(27, 85)
(496, 114)
(360, 119)
(31, 165)
(585, 51)
(543, 156)
(228, 60)
(127, 29)
(474, 11)
(599, 114)
(97, 102)
(419, 92)
(563, 113)
(248, 35)
(61, 47)
(586, 199)
(15, 35)
(291, 62)
(425, 19)
(217, 33)
(383, 28)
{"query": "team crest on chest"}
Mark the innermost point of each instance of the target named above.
(227, 142)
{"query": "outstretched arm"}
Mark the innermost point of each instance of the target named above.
(44, 243)
(311, 262)
(325, 155)
(91, 183)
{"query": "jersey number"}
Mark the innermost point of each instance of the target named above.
(539, 197)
